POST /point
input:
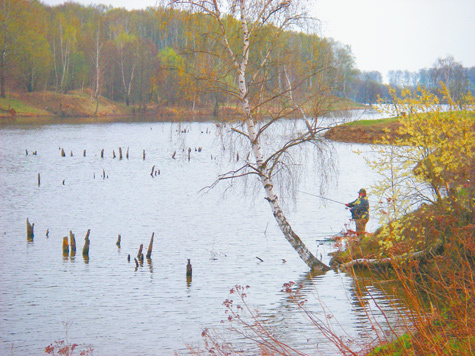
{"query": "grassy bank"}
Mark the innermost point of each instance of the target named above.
(25, 107)
(364, 131)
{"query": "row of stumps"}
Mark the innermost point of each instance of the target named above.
(69, 248)
(63, 153)
(120, 154)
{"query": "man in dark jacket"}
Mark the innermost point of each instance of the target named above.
(360, 212)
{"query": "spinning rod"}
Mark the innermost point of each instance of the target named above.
(319, 196)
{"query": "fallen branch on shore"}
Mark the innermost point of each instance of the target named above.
(389, 261)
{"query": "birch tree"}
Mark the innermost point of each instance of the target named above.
(126, 44)
(94, 43)
(263, 103)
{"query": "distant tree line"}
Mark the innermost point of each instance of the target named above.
(148, 56)
(142, 56)
(459, 80)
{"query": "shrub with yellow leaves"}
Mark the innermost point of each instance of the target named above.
(431, 161)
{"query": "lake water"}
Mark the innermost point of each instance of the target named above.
(119, 309)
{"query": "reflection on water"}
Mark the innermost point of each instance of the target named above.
(118, 304)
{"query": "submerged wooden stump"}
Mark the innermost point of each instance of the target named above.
(65, 246)
(72, 243)
(149, 251)
(85, 250)
(29, 230)
(140, 254)
(189, 273)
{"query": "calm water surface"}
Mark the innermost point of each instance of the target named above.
(120, 310)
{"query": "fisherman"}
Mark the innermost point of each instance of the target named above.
(360, 212)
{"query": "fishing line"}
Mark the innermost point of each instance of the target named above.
(319, 196)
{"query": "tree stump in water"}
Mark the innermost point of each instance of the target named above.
(189, 269)
(140, 254)
(65, 246)
(72, 243)
(29, 230)
(85, 250)
(149, 251)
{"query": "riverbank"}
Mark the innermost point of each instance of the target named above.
(364, 131)
(44, 105)
(37, 106)
(427, 252)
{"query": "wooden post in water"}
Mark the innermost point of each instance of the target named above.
(120, 152)
(102, 153)
(127, 154)
(39, 180)
(29, 230)
(65, 246)
(84, 153)
(118, 241)
(72, 243)
(149, 251)
(140, 254)
(63, 154)
(143, 155)
(189, 273)
(85, 250)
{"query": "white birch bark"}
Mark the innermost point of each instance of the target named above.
(263, 171)
(267, 8)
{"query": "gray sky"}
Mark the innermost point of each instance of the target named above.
(384, 34)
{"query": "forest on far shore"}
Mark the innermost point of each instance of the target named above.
(149, 57)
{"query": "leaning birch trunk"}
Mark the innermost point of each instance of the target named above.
(263, 171)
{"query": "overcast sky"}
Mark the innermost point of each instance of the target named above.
(384, 34)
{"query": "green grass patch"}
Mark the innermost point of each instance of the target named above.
(19, 106)
(399, 347)
(367, 123)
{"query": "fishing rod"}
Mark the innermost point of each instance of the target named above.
(319, 196)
